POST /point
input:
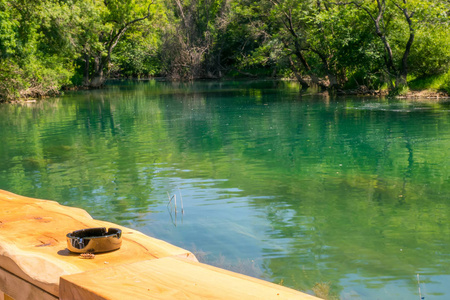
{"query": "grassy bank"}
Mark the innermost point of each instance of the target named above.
(436, 83)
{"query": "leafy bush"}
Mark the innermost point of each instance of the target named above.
(431, 52)
(446, 83)
(33, 77)
(11, 80)
(439, 82)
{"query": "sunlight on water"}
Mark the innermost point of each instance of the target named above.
(299, 190)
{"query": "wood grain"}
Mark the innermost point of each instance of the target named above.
(170, 278)
(36, 264)
(15, 288)
(33, 242)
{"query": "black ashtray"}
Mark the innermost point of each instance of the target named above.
(94, 240)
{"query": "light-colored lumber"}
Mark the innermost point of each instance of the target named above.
(4, 296)
(15, 288)
(33, 242)
(36, 264)
(170, 278)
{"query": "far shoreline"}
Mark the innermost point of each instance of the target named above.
(425, 94)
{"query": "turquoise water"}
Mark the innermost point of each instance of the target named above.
(295, 189)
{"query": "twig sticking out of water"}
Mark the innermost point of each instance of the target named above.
(171, 209)
(181, 200)
(175, 200)
(418, 283)
(170, 199)
(173, 206)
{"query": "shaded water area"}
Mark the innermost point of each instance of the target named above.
(297, 190)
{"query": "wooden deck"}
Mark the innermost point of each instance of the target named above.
(36, 264)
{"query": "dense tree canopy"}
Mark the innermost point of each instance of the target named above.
(366, 44)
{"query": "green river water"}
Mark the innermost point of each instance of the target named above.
(298, 190)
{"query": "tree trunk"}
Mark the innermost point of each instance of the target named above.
(403, 74)
(400, 74)
(109, 41)
(98, 78)
(401, 81)
(86, 69)
(300, 79)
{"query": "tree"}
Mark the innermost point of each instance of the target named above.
(334, 44)
(36, 53)
(103, 26)
(191, 48)
(300, 34)
(397, 20)
(377, 16)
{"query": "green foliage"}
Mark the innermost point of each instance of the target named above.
(134, 60)
(8, 29)
(108, 24)
(137, 54)
(342, 43)
(36, 56)
(431, 54)
(445, 85)
(45, 45)
(431, 82)
(399, 90)
(439, 82)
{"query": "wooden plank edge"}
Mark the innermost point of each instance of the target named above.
(171, 278)
(19, 289)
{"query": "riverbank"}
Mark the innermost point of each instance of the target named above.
(362, 91)
(411, 94)
(424, 94)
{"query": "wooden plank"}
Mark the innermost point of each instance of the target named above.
(3, 296)
(33, 242)
(170, 278)
(15, 288)
(36, 263)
